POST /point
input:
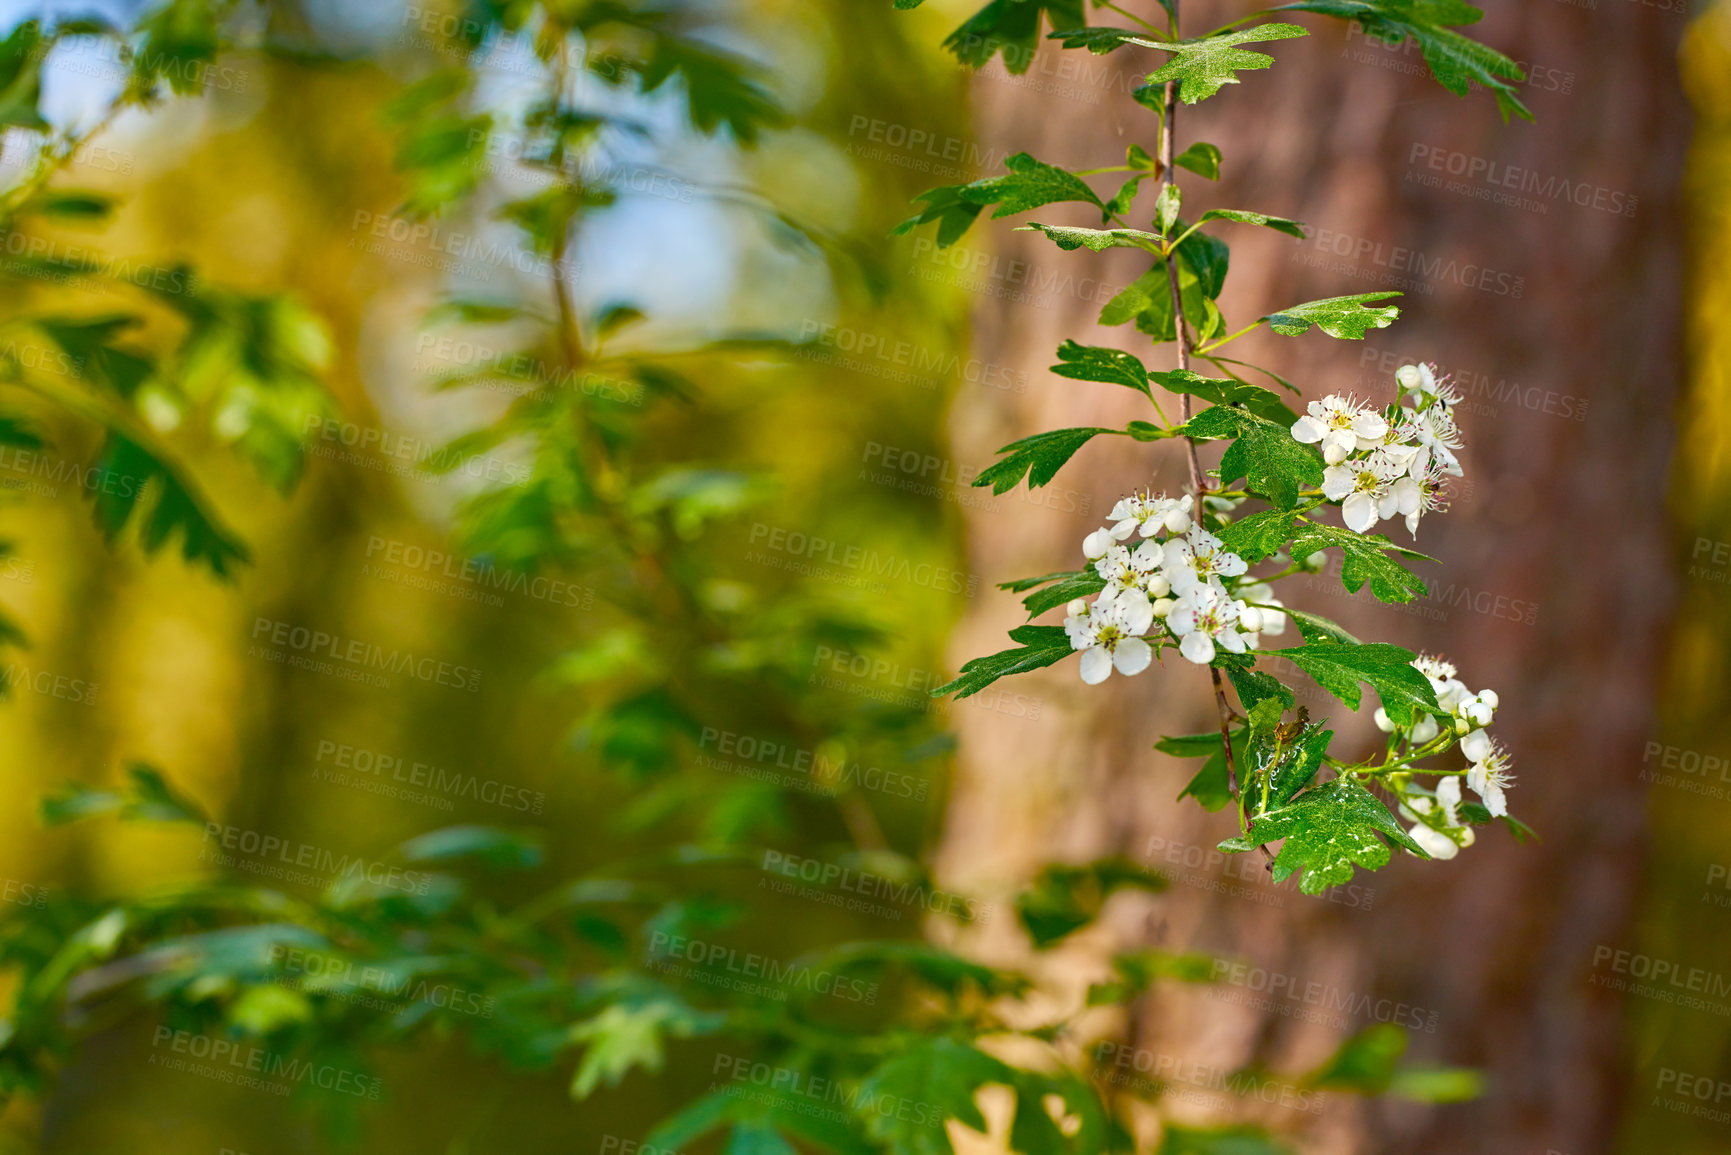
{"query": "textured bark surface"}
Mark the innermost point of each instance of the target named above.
(1542, 310)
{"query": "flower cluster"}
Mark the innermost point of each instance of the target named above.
(1487, 773)
(1391, 463)
(1176, 576)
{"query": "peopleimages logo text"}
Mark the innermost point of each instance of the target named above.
(364, 655)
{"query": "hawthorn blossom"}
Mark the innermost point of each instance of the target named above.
(1109, 635)
(1205, 614)
(1342, 425)
(1430, 495)
(1438, 436)
(1197, 557)
(1124, 569)
(1366, 489)
(1488, 777)
(1150, 513)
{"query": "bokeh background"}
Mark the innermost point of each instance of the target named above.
(1585, 575)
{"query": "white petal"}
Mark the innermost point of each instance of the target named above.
(1096, 666)
(1383, 721)
(1476, 746)
(1138, 611)
(1370, 428)
(1232, 640)
(1308, 430)
(1359, 512)
(1182, 618)
(1448, 794)
(1178, 521)
(1229, 565)
(1336, 482)
(1425, 730)
(1436, 844)
(1132, 656)
(1197, 647)
(1124, 529)
(1095, 545)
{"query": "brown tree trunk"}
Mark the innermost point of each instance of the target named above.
(1541, 265)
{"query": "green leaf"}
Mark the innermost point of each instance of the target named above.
(502, 849)
(1094, 363)
(1255, 688)
(927, 1075)
(631, 1034)
(954, 214)
(1177, 1140)
(1272, 462)
(1080, 584)
(1209, 786)
(1013, 28)
(1125, 197)
(71, 205)
(1315, 628)
(1222, 391)
(1203, 67)
(1041, 647)
(1327, 831)
(1278, 224)
(1166, 208)
(1296, 763)
(1260, 535)
(1100, 41)
(1096, 240)
(1063, 899)
(1038, 458)
(1347, 318)
(125, 473)
(1201, 158)
(1363, 1063)
(1364, 557)
(1339, 667)
(1455, 60)
(1030, 185)
(147, 797)
(1138, 157)
(21, 57)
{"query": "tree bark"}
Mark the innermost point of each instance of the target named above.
(1541, 265)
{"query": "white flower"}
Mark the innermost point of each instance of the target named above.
(1365, 488)
(1124, 570)
(1096, 544)
(1150, 513)
(1488, 777)
(1416, 379)
(1204, 615)
(1342, 425)
(1429, 494)
(1198, 556)
(1477, 746)
(1110, 636)
(1438, 437)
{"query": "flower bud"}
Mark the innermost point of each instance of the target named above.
(1250, 620)
(1164, 606)
(1078, 607)
(1409, 377)
(1489, 698)
(1178, 521)
(1095, 545)
(1383, 721)
(1424, 731)
(1158, 586)
(1334, 453)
